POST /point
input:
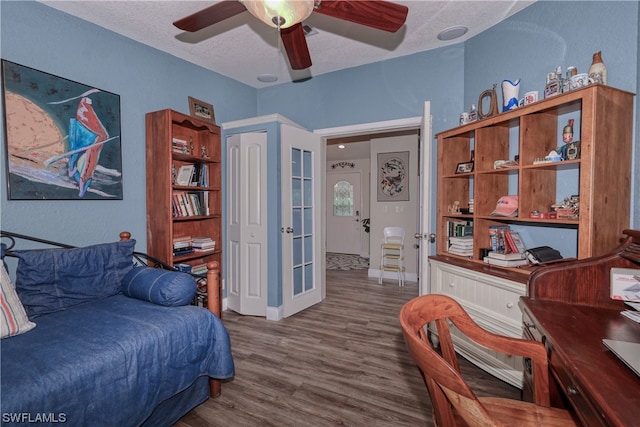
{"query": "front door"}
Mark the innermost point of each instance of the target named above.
(344, 229)
(302, 254)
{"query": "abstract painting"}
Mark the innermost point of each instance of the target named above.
(62, 137)
(393, 176)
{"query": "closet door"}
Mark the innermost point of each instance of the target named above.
(247, 223)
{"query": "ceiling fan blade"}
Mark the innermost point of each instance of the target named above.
(295, 43)
(382, 15)
(210, 15)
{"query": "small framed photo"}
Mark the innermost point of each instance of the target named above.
(201, 110)
(465, 167)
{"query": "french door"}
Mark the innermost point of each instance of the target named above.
(301, 180)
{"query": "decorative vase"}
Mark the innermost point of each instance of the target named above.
(598, 71)
(510, 94)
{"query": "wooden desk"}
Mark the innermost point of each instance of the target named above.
(568, 308)
(602, 390)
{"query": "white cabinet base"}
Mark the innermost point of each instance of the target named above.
(492, 302)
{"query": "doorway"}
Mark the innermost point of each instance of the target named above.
(357, 149)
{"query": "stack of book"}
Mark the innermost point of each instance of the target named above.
(182, 245)
(507, 248)
(199, 269)
(179, 146)
(461, 246)
(513, 259)
(203, 244)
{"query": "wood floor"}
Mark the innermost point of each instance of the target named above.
(342, 362)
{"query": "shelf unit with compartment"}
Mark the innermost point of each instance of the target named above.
(600, 177)
(165, 219)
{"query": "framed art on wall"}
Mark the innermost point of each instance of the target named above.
(62, 138)
(201, 110)
(393, 177)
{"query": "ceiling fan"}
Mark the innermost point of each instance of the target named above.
(287, 17)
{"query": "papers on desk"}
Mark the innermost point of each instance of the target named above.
(625, 284)
(631, 314)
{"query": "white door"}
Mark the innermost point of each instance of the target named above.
(344, 230)
(246, 223)
(302, 254)
(424, 240)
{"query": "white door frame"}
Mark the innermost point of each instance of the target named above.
(411, 123)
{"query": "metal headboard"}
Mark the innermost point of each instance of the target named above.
(140, 258)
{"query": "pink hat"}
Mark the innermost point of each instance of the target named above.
(507, 206)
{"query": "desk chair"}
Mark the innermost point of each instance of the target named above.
(454, 403)
(392, 253)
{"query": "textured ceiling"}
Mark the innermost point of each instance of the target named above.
(242, 47)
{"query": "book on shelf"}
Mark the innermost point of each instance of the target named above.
(466, 252)
(497, 239)
(187, 203)
(179, 146)
(182, 245)
(182, 251)
(205, 244)
(515, 242)
(506, 256)
(505, 262)
(199, 269)
(459, 228)
(190, 203)
(461, 240)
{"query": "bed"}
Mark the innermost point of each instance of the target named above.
(114, 343)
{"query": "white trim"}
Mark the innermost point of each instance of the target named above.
(260, 120)
(385, 126)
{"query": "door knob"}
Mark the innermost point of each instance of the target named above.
(431, 236)
(286, 230)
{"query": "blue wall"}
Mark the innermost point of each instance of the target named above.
(146, 79)
(528, 45)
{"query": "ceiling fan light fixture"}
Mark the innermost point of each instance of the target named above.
(452, 33)
(280, 13)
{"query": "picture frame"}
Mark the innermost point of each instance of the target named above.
(62, 138)
(465, 167)
(202, 110)
(185, 173)
(393, 176)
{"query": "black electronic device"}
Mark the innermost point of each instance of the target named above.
(542, 254)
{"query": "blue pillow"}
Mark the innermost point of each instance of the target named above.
(162, 287)
(50, 280)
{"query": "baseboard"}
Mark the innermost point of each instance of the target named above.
(275, 313)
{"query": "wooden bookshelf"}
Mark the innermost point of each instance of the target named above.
(198, 144)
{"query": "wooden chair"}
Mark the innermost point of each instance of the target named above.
(454, 403)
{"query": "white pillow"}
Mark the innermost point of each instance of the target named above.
(13, 318)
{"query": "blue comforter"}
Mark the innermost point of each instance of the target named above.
(109, 362)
